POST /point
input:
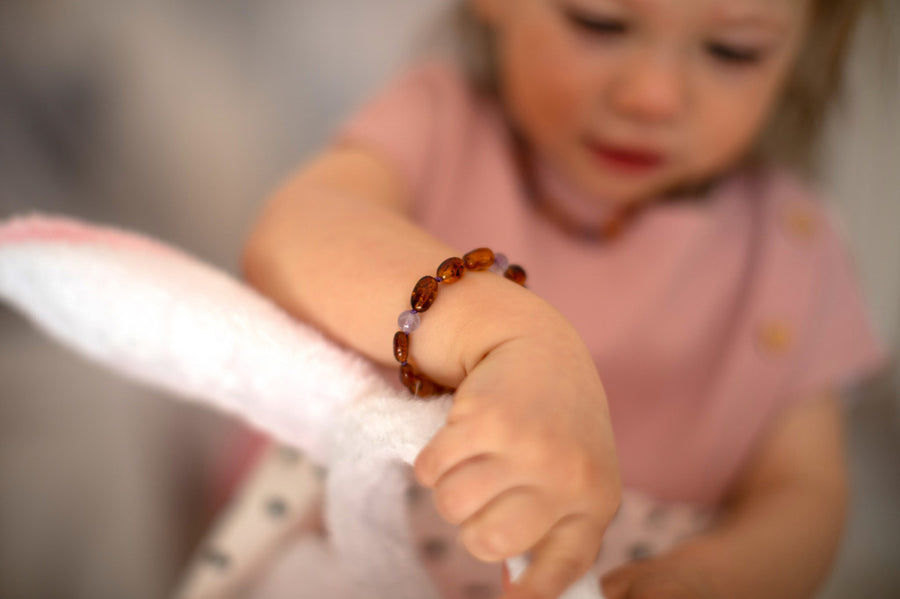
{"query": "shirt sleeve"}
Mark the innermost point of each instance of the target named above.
(400, 122)
(838, 345)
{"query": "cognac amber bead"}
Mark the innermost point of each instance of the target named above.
(515, 273)
(408, 376)
(419, 385)
(612, 229)
(424, 294)
(425, 387)
(451, 270)
(401, 346)
(480, 259)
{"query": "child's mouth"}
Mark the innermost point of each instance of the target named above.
(629, 160)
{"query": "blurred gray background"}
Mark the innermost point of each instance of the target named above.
(176, 118)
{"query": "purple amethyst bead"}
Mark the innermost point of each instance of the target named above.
(501, 262)
(408, 321)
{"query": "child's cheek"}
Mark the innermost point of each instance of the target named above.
(547, 84)
(735, 104)
(727, 125)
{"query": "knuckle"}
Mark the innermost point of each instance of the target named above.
(580, 475)
(487, 543)
(541, 452)
(584, 471)
(496, 540)
(493, 425)
(469, 406)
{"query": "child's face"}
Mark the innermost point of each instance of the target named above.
(630, 98)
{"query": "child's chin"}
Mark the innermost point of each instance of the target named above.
(624, 193)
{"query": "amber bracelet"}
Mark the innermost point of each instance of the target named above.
(424, 294)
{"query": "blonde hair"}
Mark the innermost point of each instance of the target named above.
(811, 90)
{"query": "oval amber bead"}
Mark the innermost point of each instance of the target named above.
(425, 387)
(451, 270)
(515, 273)
(419, 385)
(408, 377)
(480, 259)
(612, 229)
(424, 294)
(407, 373)
(401, 346)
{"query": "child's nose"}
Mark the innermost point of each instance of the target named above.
(650, 88)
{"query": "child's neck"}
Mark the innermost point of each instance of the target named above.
(579, 213)
(566, 198)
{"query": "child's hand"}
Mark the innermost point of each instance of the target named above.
(526, 460)
(654, 579)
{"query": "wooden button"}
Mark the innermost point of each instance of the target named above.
(775, 337)
(799, 222)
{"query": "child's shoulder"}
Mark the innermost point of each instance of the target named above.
(769, 187)
(423, 121)
(438, 73)
(787, 232)
(436, 85)
(803, 275)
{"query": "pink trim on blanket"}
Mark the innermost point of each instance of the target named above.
(35, 228)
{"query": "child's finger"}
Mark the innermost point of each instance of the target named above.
(561, 558)
(453, 444)
(466, 489)
(509, 525)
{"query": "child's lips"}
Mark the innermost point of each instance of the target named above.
(628, 159)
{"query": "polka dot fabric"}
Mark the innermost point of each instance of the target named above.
(642, 528)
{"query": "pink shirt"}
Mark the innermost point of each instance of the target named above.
(705, 318)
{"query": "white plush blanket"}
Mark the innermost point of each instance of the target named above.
(160, 316)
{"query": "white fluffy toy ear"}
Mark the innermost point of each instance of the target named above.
(153, 312)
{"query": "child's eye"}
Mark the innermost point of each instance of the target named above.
(734, 55)
(595, 24)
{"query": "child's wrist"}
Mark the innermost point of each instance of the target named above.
(472, 318)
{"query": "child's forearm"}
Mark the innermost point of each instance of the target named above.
(348, 265)
(778, 543)
(780, 532)
(777, 536)
(526, 462)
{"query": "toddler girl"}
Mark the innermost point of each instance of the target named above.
(617, 149)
